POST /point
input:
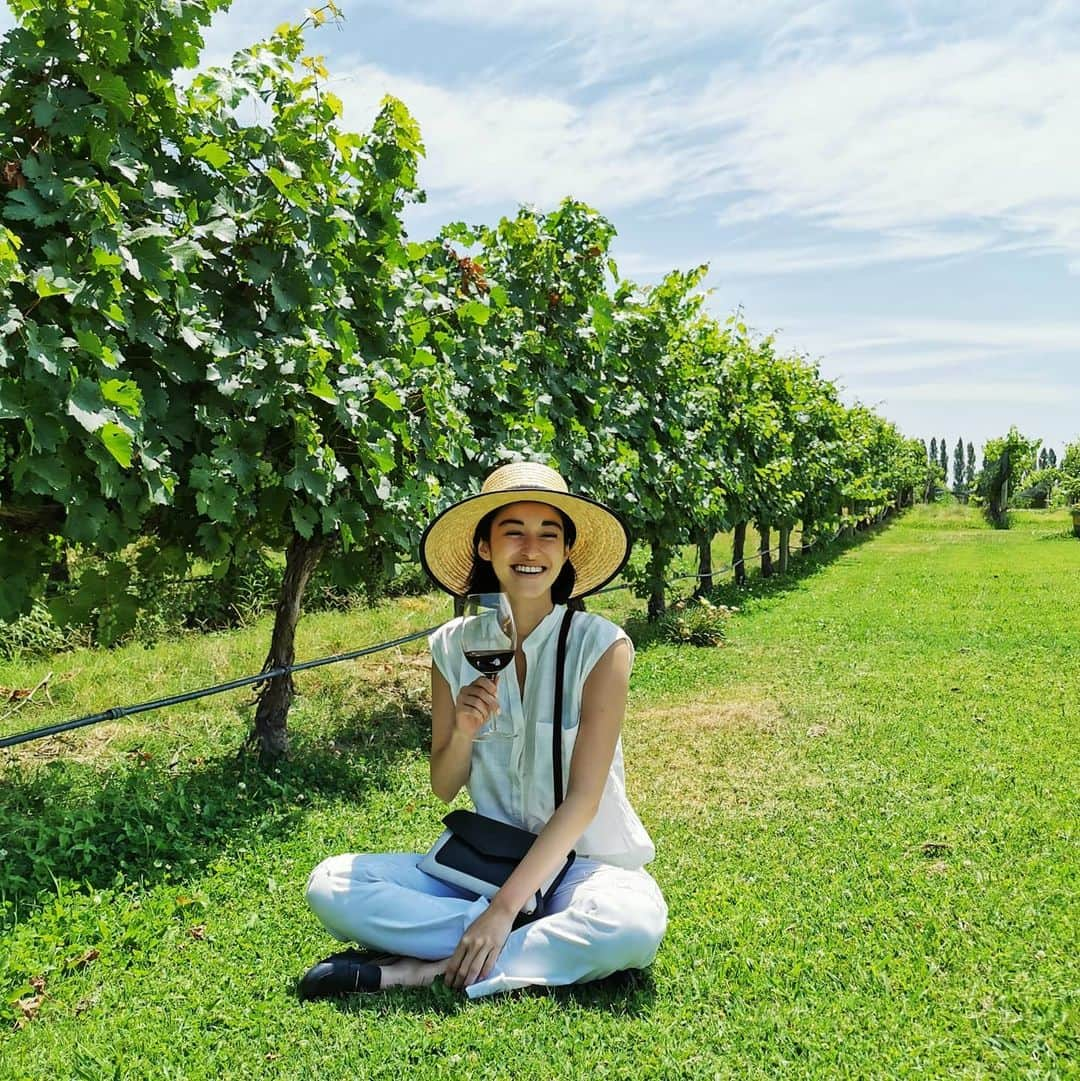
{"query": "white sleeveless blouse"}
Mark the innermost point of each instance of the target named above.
(511, 779)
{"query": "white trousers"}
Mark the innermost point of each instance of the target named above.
(603, 919)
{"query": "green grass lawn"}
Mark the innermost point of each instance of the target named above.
(865, 808)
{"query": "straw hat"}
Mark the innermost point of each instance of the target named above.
(600, 551)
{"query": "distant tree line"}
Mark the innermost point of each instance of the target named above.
(1037, 480)
(1018, 472)
(963, 468)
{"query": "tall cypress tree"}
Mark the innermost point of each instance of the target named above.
(959, 488)
(1051, 458)
(933, 449)
(969, 477)
(943, 461)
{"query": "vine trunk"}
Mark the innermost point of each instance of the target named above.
(738, 546)
(270, 732)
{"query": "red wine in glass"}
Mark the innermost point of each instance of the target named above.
(489, 661)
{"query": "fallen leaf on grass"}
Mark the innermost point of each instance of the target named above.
(13, 694)
(84, 959)
(817, 730)
(28, 1008)
(198, 932)
(85, 1003)
(935, 848)
(938, 867)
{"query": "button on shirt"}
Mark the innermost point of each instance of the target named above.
(511, 779)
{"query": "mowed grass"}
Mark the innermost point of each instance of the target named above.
(865, 808)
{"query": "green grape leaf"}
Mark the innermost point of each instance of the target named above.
(118, 442)
(213, 154)
(124, 393)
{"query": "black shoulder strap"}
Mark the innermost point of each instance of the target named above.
(556, 724)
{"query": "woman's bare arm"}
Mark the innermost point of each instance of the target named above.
(453, 726)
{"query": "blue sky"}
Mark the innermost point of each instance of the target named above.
(891, 187)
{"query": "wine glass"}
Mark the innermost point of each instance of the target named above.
(488, 640)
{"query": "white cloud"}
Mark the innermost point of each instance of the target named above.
(486, 145)
(907, 360)
(1007, 392)
(607, 37)
(963, 148)
(974, 132)
(626, 18)
(610, 37)
(989, 333)
(900, 245)
(986, 354)
(903, 142)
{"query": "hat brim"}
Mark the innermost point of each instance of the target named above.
(600, 551)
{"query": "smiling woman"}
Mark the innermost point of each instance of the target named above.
(526, 536)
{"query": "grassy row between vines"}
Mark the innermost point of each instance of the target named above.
(865, 809)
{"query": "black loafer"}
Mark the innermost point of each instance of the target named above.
(343, 973)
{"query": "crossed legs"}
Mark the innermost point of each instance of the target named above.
(602, 919)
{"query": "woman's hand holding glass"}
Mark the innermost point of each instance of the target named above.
(476, 704)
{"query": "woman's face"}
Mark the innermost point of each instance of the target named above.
(527, 549)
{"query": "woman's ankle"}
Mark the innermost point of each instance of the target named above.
(412, 972)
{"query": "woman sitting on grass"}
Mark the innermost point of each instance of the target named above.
(525, 536)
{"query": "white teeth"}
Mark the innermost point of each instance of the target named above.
(523, 569)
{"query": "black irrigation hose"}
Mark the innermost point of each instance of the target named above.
(117, 712)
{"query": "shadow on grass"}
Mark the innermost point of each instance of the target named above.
(801, 567)
(146, 821)
(630, 993)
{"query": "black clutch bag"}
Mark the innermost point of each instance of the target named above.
(479, 853)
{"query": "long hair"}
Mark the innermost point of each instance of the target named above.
(482, 578)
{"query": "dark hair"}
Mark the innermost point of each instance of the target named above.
(482, 578)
